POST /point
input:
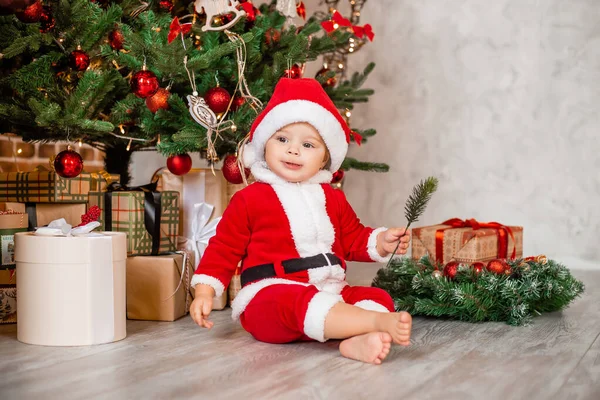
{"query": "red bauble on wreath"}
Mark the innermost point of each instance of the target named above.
(231, 170)
(68, 163)
(179, 164)
(79, 60)
(158, 101)
(217, 99)
(451, 269)
(478, 267)
(498, 266)
(144, 83)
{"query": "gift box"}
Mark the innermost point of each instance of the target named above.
(71, 290)
(158, 287)
(11, 222)
(467, 241)
(150, 219)
(197, 186)
(8, 304)
(44, 186)
(8, 275)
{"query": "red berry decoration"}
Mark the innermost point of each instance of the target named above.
(68, 163)
(231, 170)
(451, 269)
(217, 99)
(237, 102)
(498, 266)
(144, 83)
(158, 101)
(166, 5)
(47, 21)
(115, 39)
(294, 73)
(92, 215)
(179, 164)
(272, 36)
(32, 13)
(478, 267)
(79, 60)
(338, 176)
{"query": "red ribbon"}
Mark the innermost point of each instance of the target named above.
(301, 10)
(176, 29)
(337, 19)
(503, 233)
(361, 31)
(357, 137)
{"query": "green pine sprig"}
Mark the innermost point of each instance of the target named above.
(416, 204)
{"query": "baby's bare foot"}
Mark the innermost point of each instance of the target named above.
(398, 325)
(370, 348)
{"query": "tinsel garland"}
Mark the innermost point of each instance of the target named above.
(532, 286)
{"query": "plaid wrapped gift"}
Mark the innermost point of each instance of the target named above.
(132, 212)
(8, 304)
(467, 241)
(44, 186)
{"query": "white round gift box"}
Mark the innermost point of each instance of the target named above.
(71, 290)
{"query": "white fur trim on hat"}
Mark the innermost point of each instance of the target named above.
(292, 111)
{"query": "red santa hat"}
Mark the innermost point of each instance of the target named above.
(299, 100)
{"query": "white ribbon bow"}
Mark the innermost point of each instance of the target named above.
(202, 230)
(60, 227)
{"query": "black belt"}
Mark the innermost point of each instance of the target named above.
(263, 271)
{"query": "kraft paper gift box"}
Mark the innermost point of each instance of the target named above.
(467, 241)
(11, 222)
(150, 219)
(44, 186)
(41, 214)
(158, 287)
(8, 304)
(71, 290)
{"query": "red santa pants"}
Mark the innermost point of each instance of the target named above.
(289, 313)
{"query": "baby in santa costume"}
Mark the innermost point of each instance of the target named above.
(294, 233)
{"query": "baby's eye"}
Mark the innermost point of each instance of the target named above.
(281, 139)
(308, 145)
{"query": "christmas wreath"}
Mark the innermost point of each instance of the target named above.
(513, 291)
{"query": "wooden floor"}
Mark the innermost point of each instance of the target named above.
(557, 357)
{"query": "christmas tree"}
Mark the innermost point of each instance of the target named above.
(176, 77)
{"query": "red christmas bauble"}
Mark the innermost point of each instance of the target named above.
(478, 267)
(179, 164)
(328, 82)
(115, 39)
(498, 266)
(294, 73)
(158, 101)
(79, 60)
(451, 269)
(217, 99)
(8, 7)
(231, 170)
(68, 164)
(47, 21)
(32, 13)
(338, 176)
(166, 5)
(272, 36)
(237, 102)
(144, 84)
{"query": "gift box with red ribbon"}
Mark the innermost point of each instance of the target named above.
(467, 241)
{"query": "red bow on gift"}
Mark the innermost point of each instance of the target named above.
(473, 223)
(176, 29)
(361, 31)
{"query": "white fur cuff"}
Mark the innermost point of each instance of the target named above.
(372, 246)
(210, 281)
(318, 308)
(371, 305)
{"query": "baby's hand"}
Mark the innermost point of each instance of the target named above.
(200, 310)
(387, 241)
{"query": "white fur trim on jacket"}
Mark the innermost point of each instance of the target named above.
(210, 281)
(247, 293)
(318, 308)
(291, 111)
(371, 306)
(304, 207)
(372, 247)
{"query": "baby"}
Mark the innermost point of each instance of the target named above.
(294, 233)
